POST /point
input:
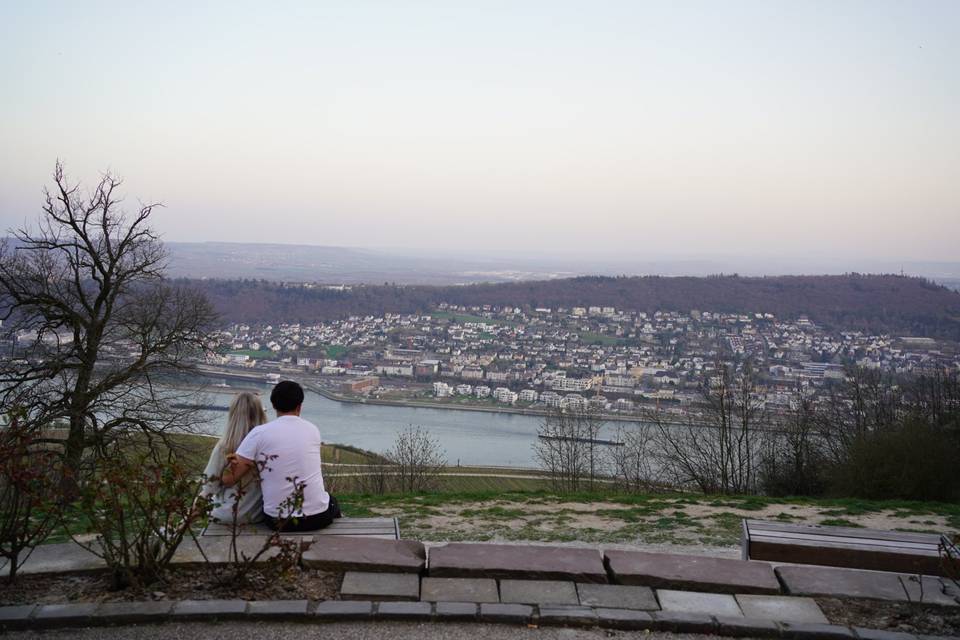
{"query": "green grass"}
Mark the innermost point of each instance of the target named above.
(840, 522)
(590, 337)
(335, 350)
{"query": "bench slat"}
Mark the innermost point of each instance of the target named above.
(766, 525)
(851, 558)
(817, 544)
(386, 528)
(842, 547)
(816, 537)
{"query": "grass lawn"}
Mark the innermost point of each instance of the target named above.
(637, 519)
(589, 337)
(490, 503)
(335, 350)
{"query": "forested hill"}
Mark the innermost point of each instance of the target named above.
(876, 303)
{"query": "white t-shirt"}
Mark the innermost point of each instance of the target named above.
(296, 445)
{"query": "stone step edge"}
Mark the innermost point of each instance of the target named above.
(78, 615)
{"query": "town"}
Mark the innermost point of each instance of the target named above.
(616, 361)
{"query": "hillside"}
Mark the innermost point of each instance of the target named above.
(875, 303)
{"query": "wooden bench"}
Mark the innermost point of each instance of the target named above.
(385, 528)
(903, 552)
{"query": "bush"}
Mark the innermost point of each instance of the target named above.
(415, 461)
(912, 461)
(29, 481)
(141, 505)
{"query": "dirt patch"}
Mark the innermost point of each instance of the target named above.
(179, 584)
(893, 616)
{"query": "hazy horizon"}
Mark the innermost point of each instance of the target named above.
(818, 131)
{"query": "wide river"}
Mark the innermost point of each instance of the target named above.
(470, 437)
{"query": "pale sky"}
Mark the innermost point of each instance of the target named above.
(623, 128)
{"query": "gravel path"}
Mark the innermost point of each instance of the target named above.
(343, 630)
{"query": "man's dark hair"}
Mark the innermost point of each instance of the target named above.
(286, 396)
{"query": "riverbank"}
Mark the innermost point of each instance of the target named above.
(420, 404)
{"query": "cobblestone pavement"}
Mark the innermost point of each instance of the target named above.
(344, 631)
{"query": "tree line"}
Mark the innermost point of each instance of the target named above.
(875, 436)
(870, 303)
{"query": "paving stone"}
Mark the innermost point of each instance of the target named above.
(493, 612)
(535, 562)
(738, 627)
(347, 553)
(459, 590)
(831, 581)
(405, 610)
(538, 592)
(344, 609)
(567, 616)
(50, 615)
(882, 634)
(703, 573)
(134, 612)
(624, 619)
(451, 611)
(285, 609)
(361, 585)
(711, 604)
(209, 609)
(16, 617)
(781, 608)
(930, 591)
(813, 631)
(57, 558)
(617, 596)
(682, 622)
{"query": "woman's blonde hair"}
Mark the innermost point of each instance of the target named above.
(246, 412)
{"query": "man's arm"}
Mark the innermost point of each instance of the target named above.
(237, 467)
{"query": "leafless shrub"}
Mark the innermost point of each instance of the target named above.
(414, 462)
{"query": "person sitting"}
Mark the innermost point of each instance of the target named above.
(241, 503)
(286, 452)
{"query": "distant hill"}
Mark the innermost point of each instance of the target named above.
(876, 303)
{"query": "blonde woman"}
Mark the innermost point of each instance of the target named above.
(246, 412)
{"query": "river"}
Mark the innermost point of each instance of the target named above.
(470, 437)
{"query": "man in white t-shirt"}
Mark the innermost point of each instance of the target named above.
(286, 452)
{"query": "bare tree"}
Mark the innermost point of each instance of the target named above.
(793, 456)
(634, 462)
(415, 461)
(93, 321)
(567, 448)
(716, 446)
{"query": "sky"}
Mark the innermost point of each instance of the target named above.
(643, 129)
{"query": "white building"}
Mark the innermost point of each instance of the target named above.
(464, 390)
(550, 398)
(528, 395)
(572, 384)
(481, 391)
(504, 395)
(441, 390)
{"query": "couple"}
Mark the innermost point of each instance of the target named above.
(258, 460)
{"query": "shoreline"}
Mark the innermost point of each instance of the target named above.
(310, 384)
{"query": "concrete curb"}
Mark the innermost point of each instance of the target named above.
(77, 615)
